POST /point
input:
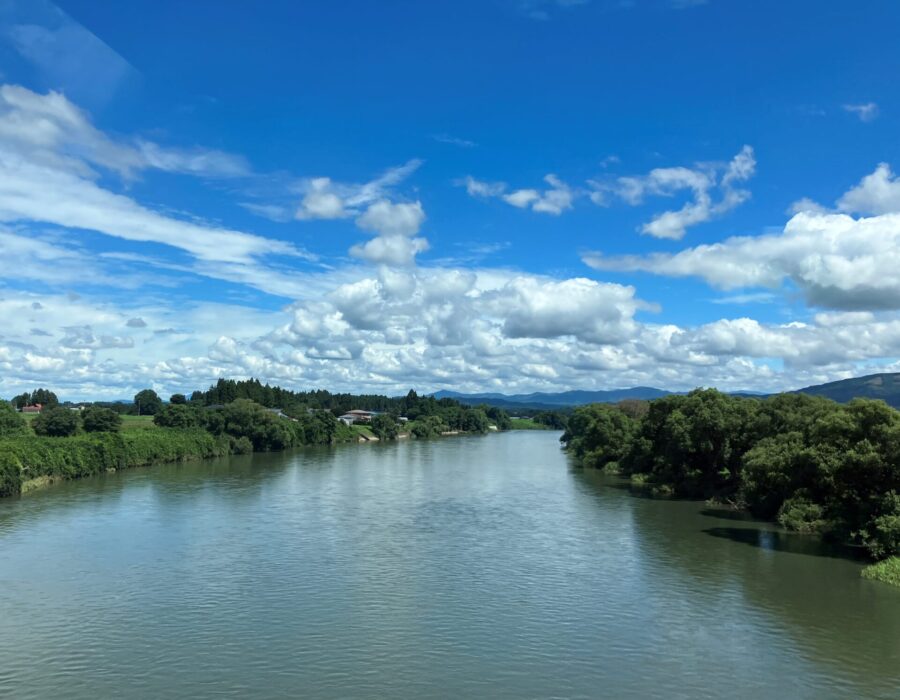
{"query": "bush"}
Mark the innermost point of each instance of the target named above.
(385, 427)
(428, 427)
(801, 515)
(96, 419)
(94, 453)
(887, 571)
(56, 422)
(11, 422)
(10, 475)
(241, 446)
(178, 416)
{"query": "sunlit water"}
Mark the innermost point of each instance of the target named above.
(462, 567)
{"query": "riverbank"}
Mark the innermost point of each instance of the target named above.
(887, 571)
(31, 462)
(811, 465)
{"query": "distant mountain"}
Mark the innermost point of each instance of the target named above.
(884, 386)
(561, 399)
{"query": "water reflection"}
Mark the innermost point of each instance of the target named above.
(465, 567)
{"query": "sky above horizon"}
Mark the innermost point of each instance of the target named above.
(492, 195)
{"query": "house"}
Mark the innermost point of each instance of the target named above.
(281, 414)
(357, 416)
(36, 408)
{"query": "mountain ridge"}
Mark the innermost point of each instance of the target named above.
(883, 385)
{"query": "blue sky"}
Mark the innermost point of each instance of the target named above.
(505, 195)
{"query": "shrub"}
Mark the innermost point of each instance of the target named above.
(10, 475)
(56, 422)
(887, 571)
(11, 422)
(801, 515)
(96, 419)
(178, 416)
(385, 427)
(241, 446)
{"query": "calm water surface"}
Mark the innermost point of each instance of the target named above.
(463, 567)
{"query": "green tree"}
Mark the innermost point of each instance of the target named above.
(147, 403)
(177, 399)
(385, 427)
(246, 418)
(11, 422)
(56, 422)
(428, 427)
(10, 475)
(45, 397)
(179, 416)
(96, 419)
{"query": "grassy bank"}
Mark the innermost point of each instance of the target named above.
(887, 571)
(29, 461)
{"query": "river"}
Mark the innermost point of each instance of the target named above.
(461, 567)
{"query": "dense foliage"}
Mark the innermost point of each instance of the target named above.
(96, 419)
(44, 397)
(26, 458)
(296, 404)
(147, 403)
(809, 463)
(11, 422)
(232, 417)
(385, 427)
(56, 422)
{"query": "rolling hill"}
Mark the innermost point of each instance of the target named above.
(884, 386)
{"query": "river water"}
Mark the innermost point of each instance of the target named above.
(462, 567)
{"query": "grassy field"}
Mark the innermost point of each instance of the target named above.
(362, 431)
(527, 424)
(137, 423)
(129, 423)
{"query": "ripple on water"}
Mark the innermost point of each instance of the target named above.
(479, 567)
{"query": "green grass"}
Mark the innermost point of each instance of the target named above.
(362, 431)
(527, 424)
(130, 423)
(887, 571)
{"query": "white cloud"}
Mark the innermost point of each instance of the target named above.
(554, 200)
(388, 219)
(666, 182)
(478, 188)
(833, 259)
(395, 250)
(867, 111)
(454, 141)
(878, 193)
(49, 129)
(324, 198)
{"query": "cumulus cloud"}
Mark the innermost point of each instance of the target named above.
(323, 198)
(866, 111)
(388, 219)
(833, 259)
(702, 181)
(878, 193)
(555, 199)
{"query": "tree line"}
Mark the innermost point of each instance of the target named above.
(809, 463)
